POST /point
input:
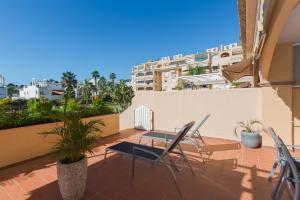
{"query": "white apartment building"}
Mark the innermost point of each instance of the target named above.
(37, 89)
(3, 88)
(164, 74)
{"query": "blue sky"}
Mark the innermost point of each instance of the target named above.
(43, 38)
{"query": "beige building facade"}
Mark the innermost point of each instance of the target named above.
(163, 74)
(270, 37)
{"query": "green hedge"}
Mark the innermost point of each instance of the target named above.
(14, 120)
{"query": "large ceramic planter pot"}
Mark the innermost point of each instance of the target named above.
(72, 179)
(251, 139)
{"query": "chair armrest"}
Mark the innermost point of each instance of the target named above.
(175, 152)
(293, 146)
(145, 151)
(177, 129)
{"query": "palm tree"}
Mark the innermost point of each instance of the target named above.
(69, 82)
(111, 85)
(123, 95)
(102, 87)
(85, 90)
(95, 76)
(112, 78)
(76, 136)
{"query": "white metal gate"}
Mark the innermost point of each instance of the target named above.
(143, 118)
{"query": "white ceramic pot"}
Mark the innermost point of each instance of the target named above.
(251, 139)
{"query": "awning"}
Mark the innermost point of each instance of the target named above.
(57, 92)
(238, 70)
(204, 79)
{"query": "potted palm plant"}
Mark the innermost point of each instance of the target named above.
(250, 133)
(75, 140)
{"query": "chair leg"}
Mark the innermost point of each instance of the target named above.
(200, 137)
(140, 140)
(173, 164)
(271, 175)
(105, 155)
(201, 155)
(281, 190)
(274, 194)
(133, 164)
(173, 178)
(199, 150)
(186, 159)
(289, 184)
(152, 143)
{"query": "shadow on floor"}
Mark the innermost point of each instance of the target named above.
(223, 176)
(217, 179)
(48, 161)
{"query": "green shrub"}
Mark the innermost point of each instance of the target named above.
(73, 105)
(196, 70)
(41, 111)
(98, 103)
(33, 108)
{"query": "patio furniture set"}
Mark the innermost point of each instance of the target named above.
(188, 134)
(289, 173)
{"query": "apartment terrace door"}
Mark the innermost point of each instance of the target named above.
(296, 94)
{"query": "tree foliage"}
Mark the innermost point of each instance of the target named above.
(11, 89)
(196, 70)
(85, 91)
(69, 82)
(123, 95)
(112, 78)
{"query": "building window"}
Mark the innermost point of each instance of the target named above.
(149, 81)
(139, 74)
(296, 65)
(223, 55)
(140, 88)
(148, 73)
(173, 75)
(149, 88)
(215, 68)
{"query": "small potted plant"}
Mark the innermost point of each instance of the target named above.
(250, 133)
(75, 140)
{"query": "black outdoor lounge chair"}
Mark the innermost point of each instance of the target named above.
(192, 137)
(153, 154)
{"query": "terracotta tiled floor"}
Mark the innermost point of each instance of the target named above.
(230, 172)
